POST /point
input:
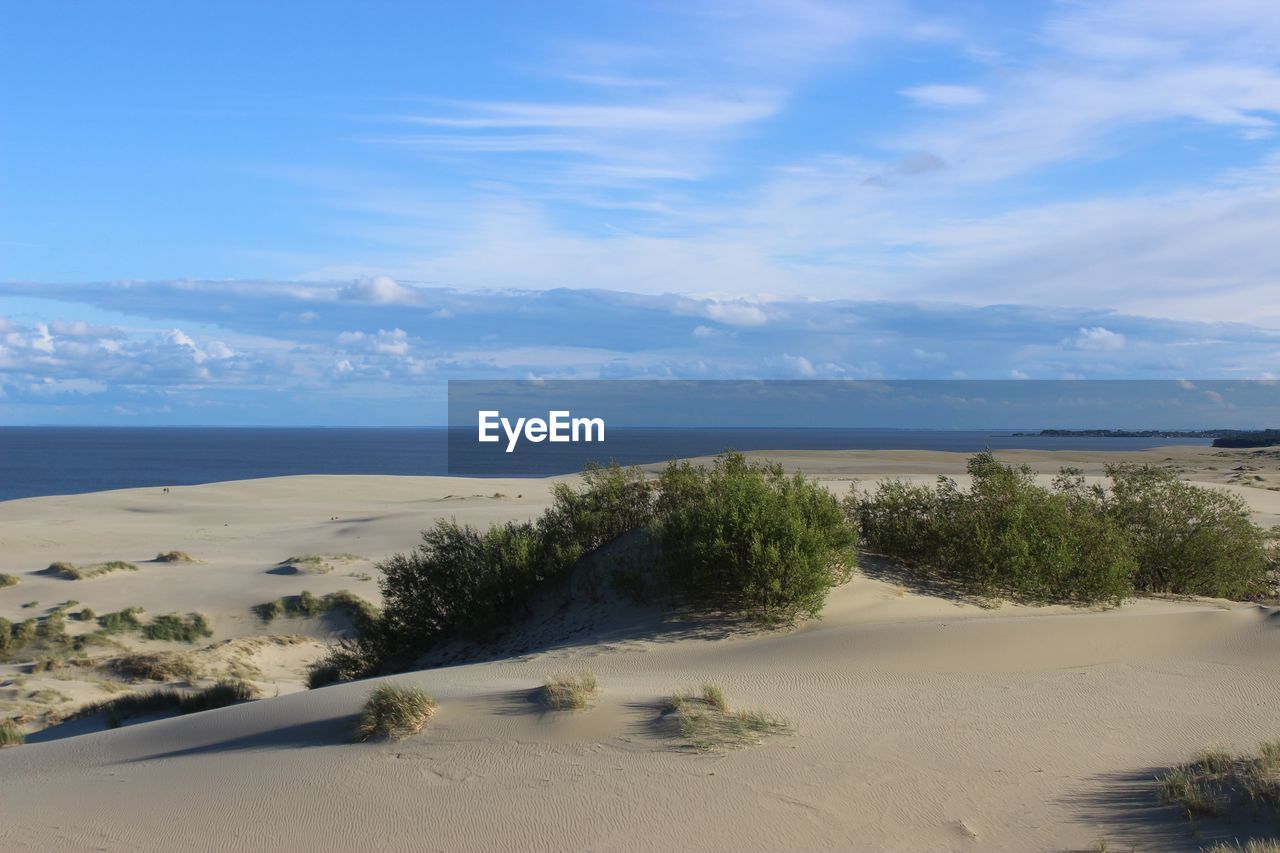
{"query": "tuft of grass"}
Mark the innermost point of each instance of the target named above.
(306, 604)
(8, 580)
(163, 666)
(707, 723)
(86, 615)
(311, 564)
(30, 604)
(394, 712)
(121, 620)
(714, 696)
(174, 557)
(183, 629)
(268, 611)
(71, 572)
(228, 691)
(569, 692)
(1253, 845)
(11, 735)
(1215, 782)
(1197, 794)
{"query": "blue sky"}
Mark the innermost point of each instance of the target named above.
(318, 212)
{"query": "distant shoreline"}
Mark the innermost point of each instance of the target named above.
(1232, 438)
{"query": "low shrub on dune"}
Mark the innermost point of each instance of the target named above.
(8, 580)
(707, 723)
(393, 711)
(182, 629)
(569, 692)
(1007, 536)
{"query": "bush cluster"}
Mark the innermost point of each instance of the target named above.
(744, 537)
(1008, 536)
(737, 537)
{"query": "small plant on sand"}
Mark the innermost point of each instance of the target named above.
(174, 557)
(121, 620)
(163, 666)
(707, 723)
(11, 735)
(183, 629)
(1215, 782)
(8, 580)
(71, 572)
(569, 692)
(269, 611)
(86, 615)
(394, 712)
(1253, 845)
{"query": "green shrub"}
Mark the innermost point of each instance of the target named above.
(394, 712)
(569, 692)
(172, 626)
(1187, 539)
(744, 537)
(269, 611)
(53, 628)
(10, 734)
(8, 580)
(86, 615)
(1005, 535)
(23, 633)
(121, 620)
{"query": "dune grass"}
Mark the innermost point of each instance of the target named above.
(394, 712)
(708, 724)
(1253, 845)
(11, 735)
(163, 666)
(228, 691)
(121, 620)
(68, 571)
(1214, 782)
(8, 580)
(306, 604)
(182, 629)
(569, 692)
(174, 557)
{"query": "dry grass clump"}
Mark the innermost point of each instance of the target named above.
(394, 712)
(1253, 845)
(306, 604)
(228, 691)
(707, 722)
(11, 735)
(174, 557)
(569, 692)
(163, 666)
(316, 564)
(8, 580)
(1215, 782)
(71, 572)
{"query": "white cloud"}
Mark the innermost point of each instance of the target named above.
(1099, 338)
(946, 95)
(380, 290)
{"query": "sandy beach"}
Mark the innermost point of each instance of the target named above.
(920, 721)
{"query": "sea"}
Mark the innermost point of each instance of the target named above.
(37, 461)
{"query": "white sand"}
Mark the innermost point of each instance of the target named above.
(921, 723)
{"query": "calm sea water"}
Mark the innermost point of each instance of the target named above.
(69, 460)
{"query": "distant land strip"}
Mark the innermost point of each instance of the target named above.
(1221, 437)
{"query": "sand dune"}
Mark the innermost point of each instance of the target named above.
(920, 722)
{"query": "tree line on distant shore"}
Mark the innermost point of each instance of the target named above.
(741, 537)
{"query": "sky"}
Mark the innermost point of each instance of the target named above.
(318, 213)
